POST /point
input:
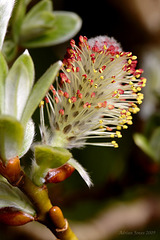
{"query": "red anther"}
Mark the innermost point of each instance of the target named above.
(120, 91)
(92, 94)
(81, 38)
(77, 69)
(56, 99)
(73, 99)
(72, 43)
(60, 92)
(46, 99)
(104, 104)
(110, 106)
(61, 111)
(66, 95)
(84, 75)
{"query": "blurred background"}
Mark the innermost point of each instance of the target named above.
(125, 200)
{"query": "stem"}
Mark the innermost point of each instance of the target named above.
(50, 216)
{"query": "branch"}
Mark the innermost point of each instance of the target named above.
(50, 216)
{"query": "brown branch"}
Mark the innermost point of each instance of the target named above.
(47, 214)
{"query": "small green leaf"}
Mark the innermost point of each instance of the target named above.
(11, 137)
(142, 142)
(6, 8)
(155, 143)
(3, 74)
(18, 85)
(13, 197)
(9, 50)
(28, 137)
(37, 20)
(39, 90)
(51, 157)
(36, 27)
(66, 25)
(17, 18)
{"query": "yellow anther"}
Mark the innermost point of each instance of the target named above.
(134, 57)
(129, 117)
(68, 70)
(101, 77)
(138, 75)
(112, 135)
(130, 83)
(41, 104)
(116, 145)
(117, 55)
(119, 135)
(100, 121)
(123, 111)
(123, 116)
(129, 54)
(138, 88)
(69, 100)
(129, 61)
(113, 142)
(125, 126)
(94, 70)
(119, 127)
(130, 122)
(96, 85)
(128, 113)
(104, 47)
(101, 127)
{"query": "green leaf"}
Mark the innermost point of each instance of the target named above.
(17, 18)
(39, 90)
(28, 138)
(142, 142)
(6, 8)
(47, 157)
(11, 137)
(51, 157)
(9, 50)
(18, 85)
(155, 143)
(3, 74)
(66, 25)
(39, 19)
(13, 197)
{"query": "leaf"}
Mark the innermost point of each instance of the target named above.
(36, 27)
(83, 173)
(39, 19)
(13, 197)
(66, 25)
(18, 85)
(6, 8)
(39, 90)
(9, 50)
(47, 157)
(11, 137)
(51, 157)
(28, 138)
(142, 142)
(17, 19)
(155, 143)
(3, 74)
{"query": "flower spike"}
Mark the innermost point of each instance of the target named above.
(98, 90)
